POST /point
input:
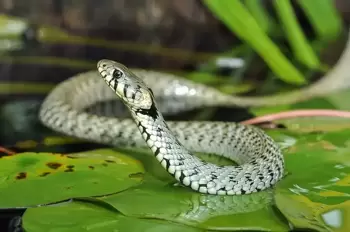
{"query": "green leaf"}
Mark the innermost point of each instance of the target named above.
(29, 179)
(161, 200)
(314, 103)
(337, 99)
(79, 217)
(316, 192)
(12, 27)
(299, 44)
(237, 18)
(324, 18)
(256, 8)
(161, 197)
(315, 188)
(314, 124)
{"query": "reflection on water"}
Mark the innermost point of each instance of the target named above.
(205, 207)
(297, 189)
(333, 218)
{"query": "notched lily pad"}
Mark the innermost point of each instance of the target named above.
(30, 179)
(79, 217)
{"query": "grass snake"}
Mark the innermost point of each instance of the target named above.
(259, 158)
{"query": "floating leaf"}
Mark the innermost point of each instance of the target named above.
(316, 193)
(157, 199)
(304, 213)
(79, 216)
(29, 179)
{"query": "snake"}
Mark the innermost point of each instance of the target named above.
(259, 159)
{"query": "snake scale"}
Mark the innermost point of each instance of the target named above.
(259, 158)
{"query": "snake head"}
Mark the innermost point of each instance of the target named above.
(129, 88)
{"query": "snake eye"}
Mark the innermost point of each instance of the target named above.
(117, 74)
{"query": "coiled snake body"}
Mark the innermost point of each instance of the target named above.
(260, 162)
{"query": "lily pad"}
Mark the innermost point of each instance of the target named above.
(159, 196)
(30, 179)
(80, 216)
(156, 199)
(313, 195)
(316, 192)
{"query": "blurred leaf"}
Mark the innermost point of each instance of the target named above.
(257, 10)
(315, 124)
(313, 103)
(43, 60)
(24, 87)
(337, 99)
(12, 27)
(324, 17)
(52, 35)
(299, 44)
(235, 16)
(47, 178)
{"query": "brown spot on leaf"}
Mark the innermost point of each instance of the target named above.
(70, 168)
(71, 157)
(328, 145)
(110, 161)
(44, 174)
(91, 167)
(53, 165)
(324, 144)
(21, 175)
(136, 175)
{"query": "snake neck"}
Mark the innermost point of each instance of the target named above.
(153, 127)
(168, 150)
